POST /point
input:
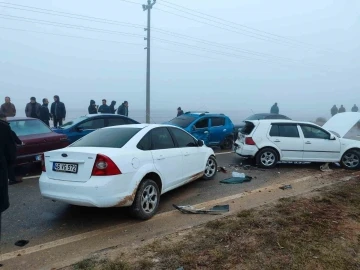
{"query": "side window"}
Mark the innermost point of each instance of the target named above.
(116, 121)
(217, 121)
(311, 132)
(274, 131)
(203, 123)
(93, 124)
(289, 131)
(161, 139)
(145, 143)
(183, 139)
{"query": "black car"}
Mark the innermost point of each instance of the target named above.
(259, 116)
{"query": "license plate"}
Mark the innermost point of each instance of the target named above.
(65, 167)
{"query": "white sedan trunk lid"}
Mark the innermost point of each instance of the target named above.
(342, 123)
(82, 158)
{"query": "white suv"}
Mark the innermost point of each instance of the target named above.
(270, 141)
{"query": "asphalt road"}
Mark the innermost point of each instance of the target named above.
(38, 220)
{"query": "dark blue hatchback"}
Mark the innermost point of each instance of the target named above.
(84, 125)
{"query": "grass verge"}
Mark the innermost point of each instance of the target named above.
(318, 232)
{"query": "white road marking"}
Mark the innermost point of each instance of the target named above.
(79, 237)
(31, 177)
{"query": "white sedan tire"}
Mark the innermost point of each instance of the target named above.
(147, 199)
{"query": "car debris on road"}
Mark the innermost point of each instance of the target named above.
(325, 168)
(216, 210)
(237, 178)
(284, 187)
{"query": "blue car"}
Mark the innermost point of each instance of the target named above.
(213, 129)
(84, 125)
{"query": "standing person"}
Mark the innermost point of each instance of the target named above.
(45, 113)
(11, 166)
(334, 110)
(93, 108)
(179, 112)
(342, 109)
(8, 108)
(104, 108)
(7, 155)
(355, 108)
(32, 109)
(112, 107)
(58, 111)
(124, 109)
(274, 109)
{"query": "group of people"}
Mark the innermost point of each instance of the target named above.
(335, 110)
(104, 108)
(33, 109)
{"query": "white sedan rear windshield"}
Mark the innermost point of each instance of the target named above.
(108, 137)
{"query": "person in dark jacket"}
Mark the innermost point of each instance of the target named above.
(8, 108)
(355, 108)
(92, 107)
(274, 109)
(58, 111)
(334, 110)
(7, 155)
(179, 112)
(124, 109)
(104, 108)
(45, 113)
(342, 109)
(112, 107)
(32, 109)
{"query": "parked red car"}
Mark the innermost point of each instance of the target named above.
(37, 138)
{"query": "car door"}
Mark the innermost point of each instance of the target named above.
(217, 130)
(200, 129)
(287, 138)
(167, 158)
(194, 157)
(86, 127)
(318, 146)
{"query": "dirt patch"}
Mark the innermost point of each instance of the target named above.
(321, 231)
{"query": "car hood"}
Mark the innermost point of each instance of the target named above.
(342, 123)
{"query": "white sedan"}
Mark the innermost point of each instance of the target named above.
(130, 165)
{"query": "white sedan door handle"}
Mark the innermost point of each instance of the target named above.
(277, 141)
(160, 158)
(186, 154)
(307, 142)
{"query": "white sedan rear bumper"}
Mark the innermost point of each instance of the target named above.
(98, 191)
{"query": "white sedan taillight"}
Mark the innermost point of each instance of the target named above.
(104, 166)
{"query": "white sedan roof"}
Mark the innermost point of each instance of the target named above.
(150, 126)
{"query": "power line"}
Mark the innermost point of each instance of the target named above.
(71, 26)
(112, 22)
(225, 24)
(69, 15)
(78, 27)
(227, 21)
(131, 2)
(71, 36)
(227, 29)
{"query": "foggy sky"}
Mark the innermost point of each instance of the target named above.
(324, 73)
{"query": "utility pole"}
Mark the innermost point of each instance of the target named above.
(148, 7)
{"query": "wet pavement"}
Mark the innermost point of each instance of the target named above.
(39, 220)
